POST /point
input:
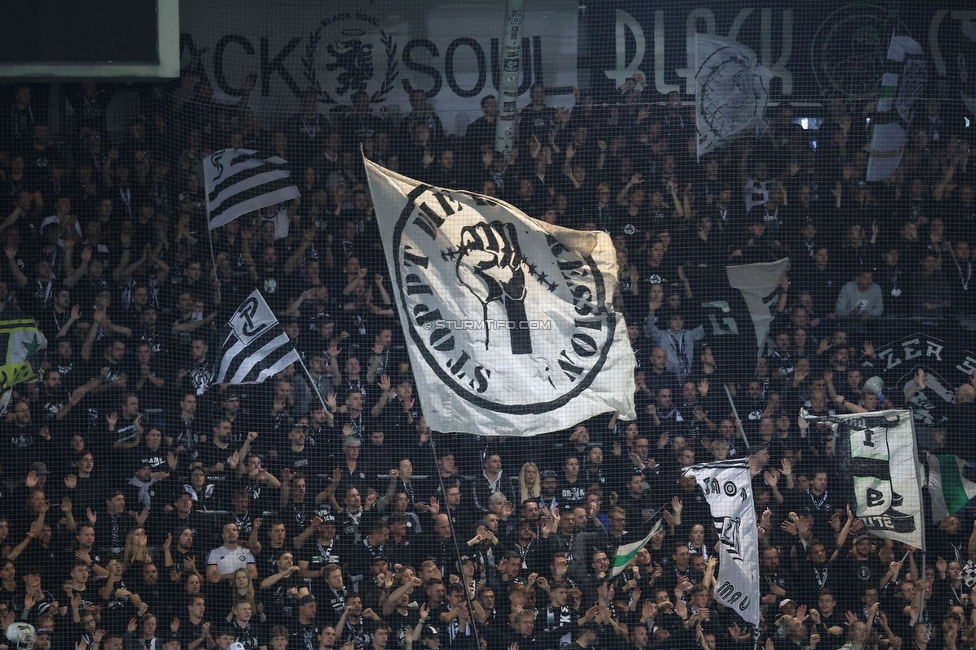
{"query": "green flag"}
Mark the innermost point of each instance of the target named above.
(949, 490)
(627, 552)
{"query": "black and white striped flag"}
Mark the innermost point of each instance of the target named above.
(238, 182)
(255, 346)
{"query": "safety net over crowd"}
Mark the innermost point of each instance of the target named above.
(304, 351)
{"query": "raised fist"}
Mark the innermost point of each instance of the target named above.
(490, 262)
(491, 265)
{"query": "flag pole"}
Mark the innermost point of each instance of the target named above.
(213, 257)
(311, 382)
(510, 53)
(920, 476)
(736, 414)
(457, 548)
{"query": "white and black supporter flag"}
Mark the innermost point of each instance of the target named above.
(255, 346)
(878, 460)
(758, 283)
(238, 181)
(728, 489)
(509, 322)
(731, 91)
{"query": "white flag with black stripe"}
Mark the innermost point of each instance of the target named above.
(238, 182)
(256, 346)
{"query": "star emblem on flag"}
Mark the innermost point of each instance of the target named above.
(32, 346)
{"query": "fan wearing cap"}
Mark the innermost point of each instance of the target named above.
(142, 487)
(549, 497)
(315, 554)
(113, 523)
(42, 639)
(171, 640)
(303, 628)
(862, 568)
(373, 587)
(34, 600)
(399, 547)
(430, 636)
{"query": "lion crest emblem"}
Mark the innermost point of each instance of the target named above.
(355, 59)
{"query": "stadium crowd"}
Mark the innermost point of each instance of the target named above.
(146, 509)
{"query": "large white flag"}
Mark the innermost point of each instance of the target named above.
(728, 489)
(879, 460)
(508, 321)
(731, 91)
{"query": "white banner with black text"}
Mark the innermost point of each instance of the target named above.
(508, 321)
(728, 488)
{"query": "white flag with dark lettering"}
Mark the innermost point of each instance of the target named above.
(508, 321)
(728, 488)
(879, 459)
(255, 345)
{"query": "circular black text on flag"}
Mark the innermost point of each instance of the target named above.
(508, 314)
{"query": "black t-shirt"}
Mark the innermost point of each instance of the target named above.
(860, 574)
(267, 559)
(189, 632)
(248, 635)
(303, 637)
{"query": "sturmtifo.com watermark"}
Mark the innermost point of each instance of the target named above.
(478, 324)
